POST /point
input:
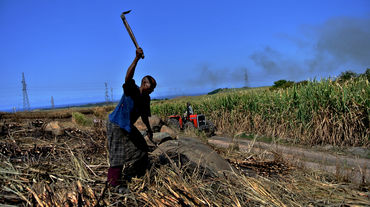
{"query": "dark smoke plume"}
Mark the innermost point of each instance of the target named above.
(339, 42)
(218, 77)
(274, 63)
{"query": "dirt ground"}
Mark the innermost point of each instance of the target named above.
(40, 168)
(347, 166)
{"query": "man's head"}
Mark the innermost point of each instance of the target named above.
(148, 84)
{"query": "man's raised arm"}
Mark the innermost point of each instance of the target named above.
(131, 70)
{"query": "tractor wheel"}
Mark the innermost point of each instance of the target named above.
(211, 129)
(173, 124)
(189, 125)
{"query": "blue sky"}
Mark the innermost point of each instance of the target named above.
(69, 49)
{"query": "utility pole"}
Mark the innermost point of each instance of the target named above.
(246, 78)
(106, 93)
(52, 102)
(111, 94)
(26, 102)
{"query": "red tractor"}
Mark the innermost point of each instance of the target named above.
(197, 121)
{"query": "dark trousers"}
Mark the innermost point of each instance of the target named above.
(128, 154)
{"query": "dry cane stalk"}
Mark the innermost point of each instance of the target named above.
(18, 194)
(35, 196)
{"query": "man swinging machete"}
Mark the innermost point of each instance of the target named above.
(128, 151)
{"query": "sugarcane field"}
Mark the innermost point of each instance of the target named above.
(59, 158)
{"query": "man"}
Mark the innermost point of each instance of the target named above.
(128, 151)
(189, 110)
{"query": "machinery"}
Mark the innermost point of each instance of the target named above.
(197, 121)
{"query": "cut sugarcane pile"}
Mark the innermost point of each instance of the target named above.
(42, 169)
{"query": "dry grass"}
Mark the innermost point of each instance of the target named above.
(38, 169)
(99, 112)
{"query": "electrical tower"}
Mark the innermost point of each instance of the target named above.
(52, 102)
(106, 92)
(26, 102)
(246, 78)
(111, 94)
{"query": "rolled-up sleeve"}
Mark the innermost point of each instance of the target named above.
(130, 88)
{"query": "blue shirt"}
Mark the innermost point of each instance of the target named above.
(130, 107)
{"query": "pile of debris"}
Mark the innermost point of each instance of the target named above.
(50, 163)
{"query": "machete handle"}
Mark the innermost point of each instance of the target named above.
(128, 28)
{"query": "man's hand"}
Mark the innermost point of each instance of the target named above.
(150, 135)
(139, 53)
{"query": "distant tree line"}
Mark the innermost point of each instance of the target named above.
(342, 78)
(348, 75)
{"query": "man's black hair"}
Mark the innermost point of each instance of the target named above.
(152, 81)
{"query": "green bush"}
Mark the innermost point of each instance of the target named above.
(282, 84)
(81, 119)
(347, 75)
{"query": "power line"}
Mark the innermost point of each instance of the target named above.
(26, 102)
(52, 102)
(111, 94)
(106, 92)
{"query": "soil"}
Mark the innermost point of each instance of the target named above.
(34, 160)
(349, 167)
